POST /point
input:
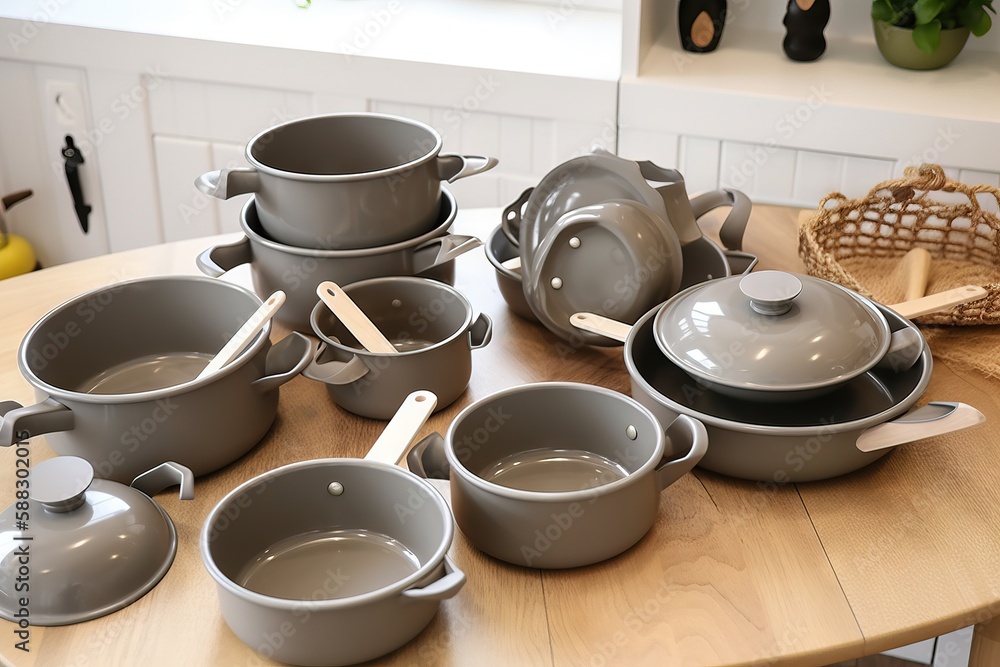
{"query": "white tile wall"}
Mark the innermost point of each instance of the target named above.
(699, 162)
(186, 212)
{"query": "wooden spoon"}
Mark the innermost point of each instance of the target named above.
(245, 334)
(940, 301)
(354, 319)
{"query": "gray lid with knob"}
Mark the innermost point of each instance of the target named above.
(90, 546)
(771, 331)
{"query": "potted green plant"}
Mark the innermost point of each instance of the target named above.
(927, 34)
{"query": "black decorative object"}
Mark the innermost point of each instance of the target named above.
(700, 23)
(804, 22)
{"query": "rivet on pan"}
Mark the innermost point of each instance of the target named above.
(631, 432)
(556, 283)
(574, 242)
(335, 488)
(396, 303)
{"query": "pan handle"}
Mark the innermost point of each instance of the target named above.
(735, 225)
(333, 371)
(20, 423)
(397, 436)
(601, 325)
(221, 258)
(936, 418)
(442, 589)
(427, 458)
(226, 183)
(285, 360)
(510, 223)
(683, 432)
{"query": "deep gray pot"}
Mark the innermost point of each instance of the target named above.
(202, 424)
(298, 271)
(342, 181)
(564, 528)
(432, 323)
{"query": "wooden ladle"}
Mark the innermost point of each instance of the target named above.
(337, 300)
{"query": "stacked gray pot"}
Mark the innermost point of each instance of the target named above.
(342, 198)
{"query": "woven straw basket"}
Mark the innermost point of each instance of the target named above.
(900, 214)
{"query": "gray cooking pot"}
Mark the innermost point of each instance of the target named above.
(588, 463)
(136, 327)
(433, 325)
(810, 440)
(348, 180)
(298, 271)
(350, 555)
(94, 546)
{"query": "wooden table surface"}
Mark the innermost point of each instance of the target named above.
(732, 573)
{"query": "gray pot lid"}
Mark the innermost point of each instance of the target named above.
(771, 331)
(87, 547)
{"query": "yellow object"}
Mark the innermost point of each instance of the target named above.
(16, 257)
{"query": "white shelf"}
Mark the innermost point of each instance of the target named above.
(850, 101)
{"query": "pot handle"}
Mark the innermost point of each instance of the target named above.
(442, 589)
(221, 258)
(442, 250)
(164, 476)
(735, 225)
(740, 263)
(397, 436)
(334, 372)
(935, 418)
(601, 325)
(658, 174)
(688, 433)
(226, 183)
(20, 423)
(427, 458)
(510, 223)
(453, 167)
(285, 360)
(481, 331)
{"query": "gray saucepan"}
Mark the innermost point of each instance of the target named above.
(114, 371)
(558, 474)
(347, 180)
(356, 547)
(432, 325)
(298, 271)
(772, 443)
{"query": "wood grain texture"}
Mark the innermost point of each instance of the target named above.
(729, 574)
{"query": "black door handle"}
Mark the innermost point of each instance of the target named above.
(74, 158)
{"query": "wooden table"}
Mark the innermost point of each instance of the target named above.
(731, 574)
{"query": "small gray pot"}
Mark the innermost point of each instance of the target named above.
(298, 271)
(341, 595)
(405, 310)
(596, 520)
(342, 181)
(203, 424)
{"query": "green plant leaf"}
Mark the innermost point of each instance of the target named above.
(882, 10)
(975, 18)
(927, 10)
(928, 37)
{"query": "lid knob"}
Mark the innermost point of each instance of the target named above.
(60, 484)
(771, 292)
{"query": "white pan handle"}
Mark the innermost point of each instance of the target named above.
(936, 418)
(399, 433)
(603, 326)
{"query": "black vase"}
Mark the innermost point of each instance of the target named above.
(804, 22)
(700, 23)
